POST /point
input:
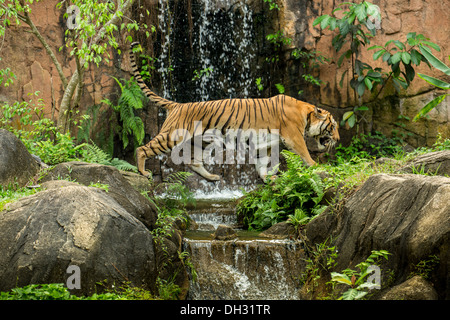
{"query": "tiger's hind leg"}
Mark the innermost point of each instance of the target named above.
(200, 169)
(197, 164)
(156, 146)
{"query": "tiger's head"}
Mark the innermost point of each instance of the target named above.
(323, 128)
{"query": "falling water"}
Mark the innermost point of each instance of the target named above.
(165, 27)
(222, 36)
(224, 41)
(247, 267)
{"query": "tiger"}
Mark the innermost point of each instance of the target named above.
(292, 119)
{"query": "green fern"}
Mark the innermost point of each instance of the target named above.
(94, 154)
(132, 98)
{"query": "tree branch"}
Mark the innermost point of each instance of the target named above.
(47, 48)
(77, 77)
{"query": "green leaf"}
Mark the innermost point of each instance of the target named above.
(362, 108)
(435, 82)
(396, 58)
(325, 21)
(346, 54)
(411, 37)
(347, 115)
(361, 88)
(399, 44)
(353, 294)
(352, 121)
(406, 57)
(344, 27)
(435, 62)
(375, 47)
(410, 73)
(432, 45)
(319, 19)
(360, 12)
(429, 106)
(416, 57)
(341, 278)
(378, 54)
(368, 83)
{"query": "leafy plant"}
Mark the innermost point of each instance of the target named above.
(356, 280)
(132, 98)
(57, 291)
(94, 154)
(438, 64)
(6, 75)
(358, 25)
(272, 4)
(425, 267)
(320, 259)
(202, 73)
(298, 188)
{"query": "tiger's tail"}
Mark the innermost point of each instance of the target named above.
(159, 101)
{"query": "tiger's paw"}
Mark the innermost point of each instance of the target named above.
(214, 177)
(146, 174)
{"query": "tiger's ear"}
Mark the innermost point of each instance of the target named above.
(318, 114)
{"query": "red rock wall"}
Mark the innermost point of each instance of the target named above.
(23, 52)
(399, 17)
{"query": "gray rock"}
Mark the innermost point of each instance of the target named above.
(41, 235)
(16, 163)
(118, 187)
(431, 163)
(416, 288)
(282, 230)
(224, 232)
(407, 215)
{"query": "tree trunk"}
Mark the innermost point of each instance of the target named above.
(65, 107)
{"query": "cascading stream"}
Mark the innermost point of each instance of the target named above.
(249, 267)
(223, 55)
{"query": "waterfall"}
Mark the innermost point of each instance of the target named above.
(165, 26)
(222, 37)
(224, 41)
(248, 267)
(220, 64)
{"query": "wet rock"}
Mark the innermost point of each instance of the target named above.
(43, 234)
(16, 163)
(416, 288)
(282, 230)
(224, 232)
(246, 270)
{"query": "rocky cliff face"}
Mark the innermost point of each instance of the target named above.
(35, 72)
(398, 18)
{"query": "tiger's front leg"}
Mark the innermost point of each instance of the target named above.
(141, 156)
(158, 145)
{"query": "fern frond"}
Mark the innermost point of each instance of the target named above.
(178, 177)
(94, 154)
(123, 165)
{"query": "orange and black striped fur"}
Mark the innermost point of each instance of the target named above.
(292, 118)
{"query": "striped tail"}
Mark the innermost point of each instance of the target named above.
(159, 101)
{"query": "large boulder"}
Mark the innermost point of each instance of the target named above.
(407, 215)
(416, 288)
(118, 187)
(73, 225)
(435, 163)
(16, 163)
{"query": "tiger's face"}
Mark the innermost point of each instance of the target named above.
(324, 129)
